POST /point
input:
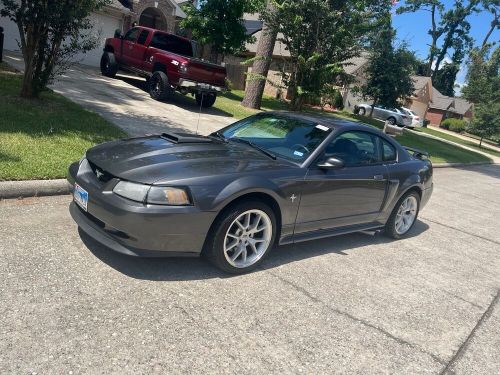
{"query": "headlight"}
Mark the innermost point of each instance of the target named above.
(168, 195)
(130, 190)
(155, 194)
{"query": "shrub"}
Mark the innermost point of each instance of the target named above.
(454, 124)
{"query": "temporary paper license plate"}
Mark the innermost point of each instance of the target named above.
(81, 196)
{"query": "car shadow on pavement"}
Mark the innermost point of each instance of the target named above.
(186, 102)
(176, 269)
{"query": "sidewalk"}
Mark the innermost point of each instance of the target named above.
(465, 138)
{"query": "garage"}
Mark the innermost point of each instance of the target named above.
(105, 24)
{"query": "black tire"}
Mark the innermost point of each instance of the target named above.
(391, 121)
(109, 66)
(159, 87)
(214, 246)
(390, 227)
(208, 99)
(362, 111)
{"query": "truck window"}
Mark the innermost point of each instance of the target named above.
(143, 37)
(131, 35)
(172, 43)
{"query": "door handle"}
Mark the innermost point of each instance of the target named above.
(378, 177)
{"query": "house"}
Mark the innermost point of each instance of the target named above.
(426, 101)
(118, 15)
(442, 107)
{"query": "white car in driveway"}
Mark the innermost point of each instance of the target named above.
(416, 121)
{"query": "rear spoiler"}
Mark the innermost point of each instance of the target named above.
(416, 153)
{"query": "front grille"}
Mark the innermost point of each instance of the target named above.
(100, 174)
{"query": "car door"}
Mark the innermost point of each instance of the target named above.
(351, 195)
(128, 44)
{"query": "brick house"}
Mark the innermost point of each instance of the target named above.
(442, 107)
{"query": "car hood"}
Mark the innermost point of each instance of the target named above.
(152, 159)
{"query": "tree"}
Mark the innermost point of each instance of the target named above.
(483, 79)
(219, 23)
(486, 122)
(389, 70)
(451, 27)
(260, 68)
(51, 33)
(319, 36)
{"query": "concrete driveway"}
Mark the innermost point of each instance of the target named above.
(357, 304)
(124, 102)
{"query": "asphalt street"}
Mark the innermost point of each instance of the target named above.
(359, 303)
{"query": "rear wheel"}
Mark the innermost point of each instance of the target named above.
(159, 87)
(109, 66)
(242, 237)
(206, 100)
(404, 215)
(362, 111)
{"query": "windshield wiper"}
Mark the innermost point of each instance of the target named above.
(220, 136)
(255, 146)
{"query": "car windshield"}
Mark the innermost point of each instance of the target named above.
(290, 138)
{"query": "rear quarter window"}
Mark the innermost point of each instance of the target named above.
(389, 152)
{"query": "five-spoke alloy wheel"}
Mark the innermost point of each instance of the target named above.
(248, 238)
(242, 236)
(404, 215)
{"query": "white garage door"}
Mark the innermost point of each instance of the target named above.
(11, 34)
(104, 27)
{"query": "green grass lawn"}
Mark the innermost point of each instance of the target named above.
(441, 152)
(461, 141)
(40, 138)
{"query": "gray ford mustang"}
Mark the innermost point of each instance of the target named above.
(272, 178)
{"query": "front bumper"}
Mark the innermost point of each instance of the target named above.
(199, 86)
(135, 228)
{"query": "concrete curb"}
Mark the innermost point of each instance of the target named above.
(33, 188)
(453, 165)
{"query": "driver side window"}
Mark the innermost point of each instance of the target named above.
(354, 148)
(131, 35)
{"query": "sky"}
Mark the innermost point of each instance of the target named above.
(413, 27)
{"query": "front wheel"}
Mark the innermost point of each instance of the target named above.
(403, 216)
(205, 100)
(242, 237)
(362, 111)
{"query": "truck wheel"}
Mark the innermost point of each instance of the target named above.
(205, 100)
(159, 88)
(109, 67)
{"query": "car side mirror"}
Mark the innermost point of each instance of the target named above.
(118, 34)
(331, 163)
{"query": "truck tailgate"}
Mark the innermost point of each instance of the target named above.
(202, 71)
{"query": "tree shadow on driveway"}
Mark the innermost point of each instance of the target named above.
(176, 269)
(186, 102)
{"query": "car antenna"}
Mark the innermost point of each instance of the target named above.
(199, 113)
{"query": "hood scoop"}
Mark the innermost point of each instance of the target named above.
(185, 138)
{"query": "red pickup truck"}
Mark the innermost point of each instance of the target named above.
(166, 61)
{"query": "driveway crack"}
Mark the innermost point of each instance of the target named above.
(465, 345)
(356, 319)
(461, 230)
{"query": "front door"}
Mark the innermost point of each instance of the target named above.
(354, 194)
(128, 44)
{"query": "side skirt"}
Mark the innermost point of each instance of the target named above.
(324, 233)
